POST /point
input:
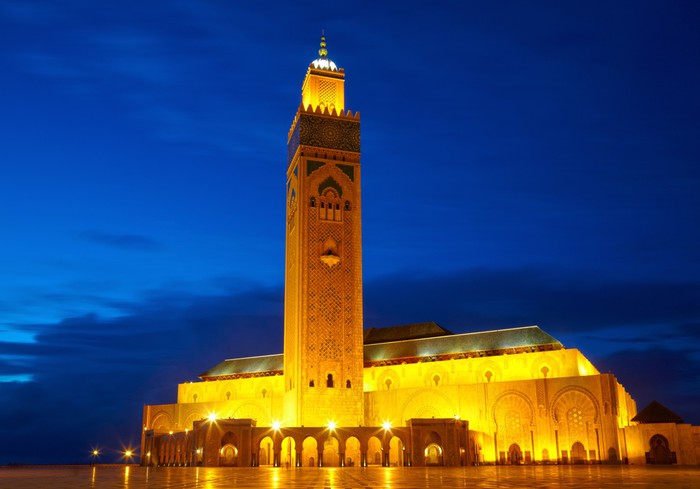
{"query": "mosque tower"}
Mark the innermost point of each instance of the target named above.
(323, 347)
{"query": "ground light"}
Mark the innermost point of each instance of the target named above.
(128, 454)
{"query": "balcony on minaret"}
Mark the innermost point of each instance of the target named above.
(329, 253)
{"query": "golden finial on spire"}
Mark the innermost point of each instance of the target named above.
(323, 52)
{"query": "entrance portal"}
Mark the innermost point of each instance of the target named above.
(578, 453)
(659, 452)
(515, 456)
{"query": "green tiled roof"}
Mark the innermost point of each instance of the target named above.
(404, 345)
(405, 332)
(497, 341)
(250, 366)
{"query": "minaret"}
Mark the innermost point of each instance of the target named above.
(323, 360)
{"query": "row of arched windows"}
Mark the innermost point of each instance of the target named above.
(329, 206)
(331, 383)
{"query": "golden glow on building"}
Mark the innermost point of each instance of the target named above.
(411, 395)
(324, 86)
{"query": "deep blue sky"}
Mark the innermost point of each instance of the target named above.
(523, 163)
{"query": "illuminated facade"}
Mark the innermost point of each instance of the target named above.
(418, 394)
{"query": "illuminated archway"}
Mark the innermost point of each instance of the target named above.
(191, 418)
(266, 451)
(228, 454)
(515, 455)
(289, 454)
(396, 451)
(433, 454)
(330, 452)
(374, 451)
(161, 422)
(353, 453)
(309, 453)
(578, 453)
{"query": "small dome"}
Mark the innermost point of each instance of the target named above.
(324, 63)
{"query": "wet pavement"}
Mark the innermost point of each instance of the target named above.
(565, 476)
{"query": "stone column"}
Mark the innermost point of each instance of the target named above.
(275, 458)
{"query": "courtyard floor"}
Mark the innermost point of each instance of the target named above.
(565, 476)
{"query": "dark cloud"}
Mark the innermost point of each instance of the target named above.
(558, 300)
(93, 375)
(659, 374)
(622, 339)
(690, 330)
(123, 241)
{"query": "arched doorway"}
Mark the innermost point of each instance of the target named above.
(545, 456)
(228, 455)
(353, 454)
(330, 452)
(266, 452)
(433, 454)
(515, 456)
(289, 454)
(374, 451)
(433, 449)
(578, 453)
(309, 453)
(396, 451)
(659, 452)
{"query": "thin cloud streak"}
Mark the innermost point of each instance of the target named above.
(123, 241)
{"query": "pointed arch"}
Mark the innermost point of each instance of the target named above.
(512, 400)
(330, 183)
(161, 422)
(571, 396)
(428, 403)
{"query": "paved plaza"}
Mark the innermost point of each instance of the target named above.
(580, 477)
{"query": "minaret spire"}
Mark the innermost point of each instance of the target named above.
(323, 52)
(323, 62)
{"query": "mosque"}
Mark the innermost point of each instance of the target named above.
(413, 395)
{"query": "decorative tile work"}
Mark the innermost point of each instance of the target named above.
(348, 170)
(293, 144)
(312, 166)
(326, 132)
(330, 182)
